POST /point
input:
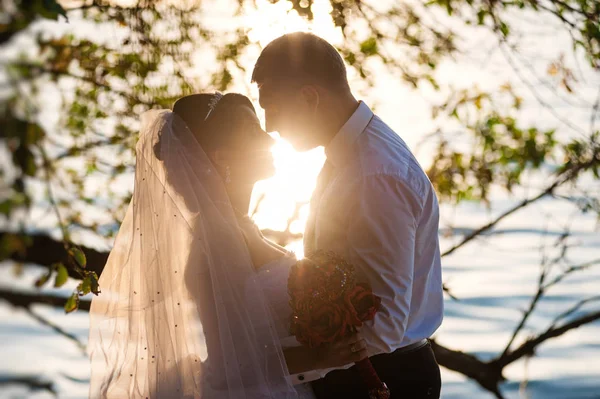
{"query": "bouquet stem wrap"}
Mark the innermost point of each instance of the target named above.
(377, 388)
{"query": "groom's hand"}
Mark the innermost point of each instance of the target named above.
(340, 353)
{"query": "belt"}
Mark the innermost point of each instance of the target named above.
(411, 347)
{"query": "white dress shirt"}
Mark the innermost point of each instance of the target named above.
(380, 212)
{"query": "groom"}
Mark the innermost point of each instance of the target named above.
(373, 205)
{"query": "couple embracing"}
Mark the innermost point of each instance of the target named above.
(194, 300)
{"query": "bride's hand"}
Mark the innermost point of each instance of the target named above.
(250, 231)
(343, 352)
(261, 250)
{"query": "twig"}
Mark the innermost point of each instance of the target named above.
(55, 72)
(56, 329)
(571, 269)
(528, 347)
(73, 151)
(535, 93)
(25, 300)
(573, 309)
(595, 111)
(34, 383)
(573, 9)
(563, 178)
(541, 290)
(63, 227)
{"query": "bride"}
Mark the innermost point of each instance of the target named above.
(186, 310)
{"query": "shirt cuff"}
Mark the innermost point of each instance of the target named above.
(289, 342)
(304, 377)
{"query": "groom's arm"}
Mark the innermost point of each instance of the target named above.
(381, 235)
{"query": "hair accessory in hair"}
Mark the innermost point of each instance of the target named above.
(212, 104)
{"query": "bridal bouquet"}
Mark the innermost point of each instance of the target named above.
(328, 304)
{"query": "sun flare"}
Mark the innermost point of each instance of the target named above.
(281, 202)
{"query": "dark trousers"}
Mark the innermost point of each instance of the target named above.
(410, 375)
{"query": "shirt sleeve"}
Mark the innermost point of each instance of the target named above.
(382, 235)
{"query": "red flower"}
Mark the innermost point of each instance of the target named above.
(325, 323)
(365, 304)
(301, 305)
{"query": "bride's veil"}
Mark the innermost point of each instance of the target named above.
(181, 314)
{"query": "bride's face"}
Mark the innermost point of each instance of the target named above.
(248, 154)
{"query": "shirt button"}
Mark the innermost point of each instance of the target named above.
(301, 377)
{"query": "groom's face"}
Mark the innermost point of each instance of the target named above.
(290, 113)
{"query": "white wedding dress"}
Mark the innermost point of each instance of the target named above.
(273, 278)
(183, 314)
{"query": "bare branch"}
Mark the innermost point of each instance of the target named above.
(34, 383)
(573, 309)
(488, 377)
(56, 329)
(563, 178)
(528, 347)
(595, 112)
(56, 72)
(570, 270)
(25, 299)
(502, 44)
(44, 250)
(541, 290)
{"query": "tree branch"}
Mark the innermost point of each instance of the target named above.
(44, 250)
(56, 73)
(563, 178)
(26, 299)
(34, 383)
(541, 289)
(529, 346)
(571, 269)
(573, 309)
(56, 329)
(488, 377)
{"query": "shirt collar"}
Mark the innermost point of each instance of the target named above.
(340, 146)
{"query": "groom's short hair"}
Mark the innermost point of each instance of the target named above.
(304, 58)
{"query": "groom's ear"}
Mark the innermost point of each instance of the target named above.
(311, 96)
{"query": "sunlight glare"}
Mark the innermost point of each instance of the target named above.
(268, 21)
(281, 202)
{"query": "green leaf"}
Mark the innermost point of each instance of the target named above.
(94, 286)
(369, 47)
(72, 303)
(481, 16)
(34, 134)
(85, 287)
(62, 275)
(6, 207)
(43, 279)
(79, 256)
(54, 9)
(350, 58)
(504, 29)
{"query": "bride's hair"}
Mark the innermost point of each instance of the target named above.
(217, 130)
